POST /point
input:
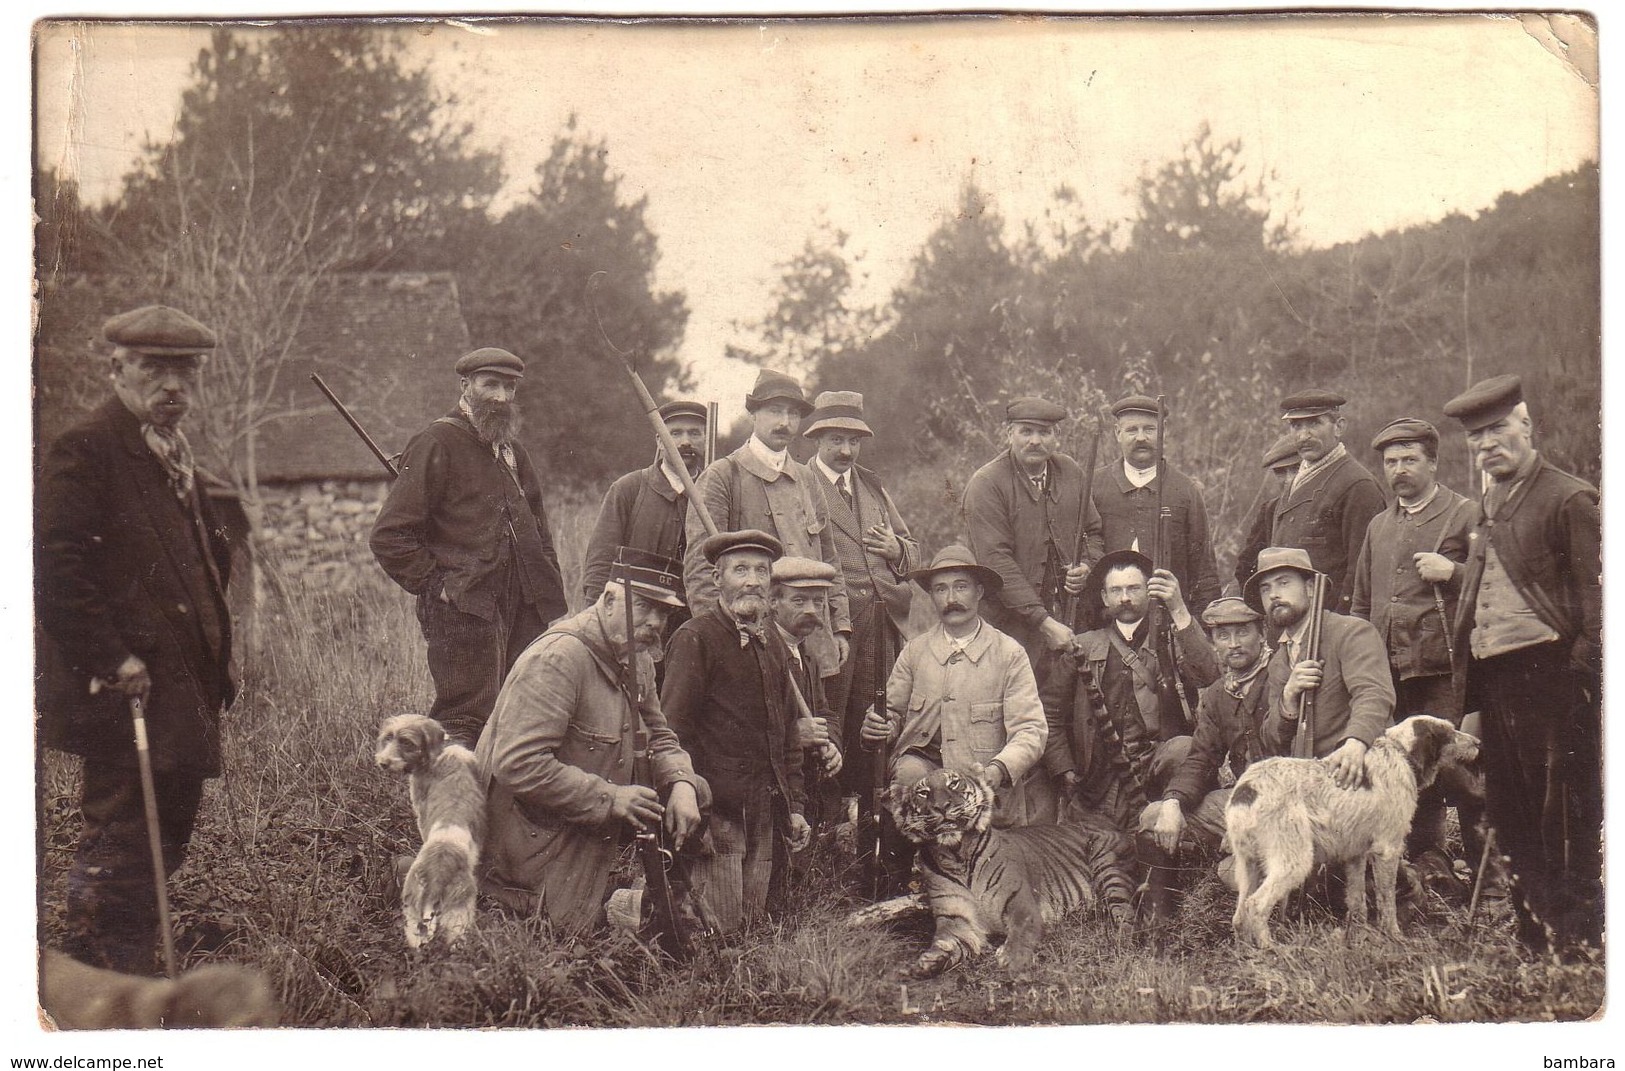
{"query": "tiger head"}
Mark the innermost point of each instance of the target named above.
(942, 806)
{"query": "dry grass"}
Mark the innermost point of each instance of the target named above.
(291, 862)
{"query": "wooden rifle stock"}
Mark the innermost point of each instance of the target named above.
(1303, 742)
(355, 426)
(1080, 546)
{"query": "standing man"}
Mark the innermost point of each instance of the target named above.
(1229, 725)
(876, 553)
(131, 600)
(1531, 619)
(1126, 495)
(760, 487)
(798, 602)
(1354, 692)
(1332, 498)
(1022, 512)
(557, 753)
(727, 696)
(464, 530)
(648, 508)
(964, 694)
(1280, 462)
(1406, 583)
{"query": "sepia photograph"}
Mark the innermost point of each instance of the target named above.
(999, 519)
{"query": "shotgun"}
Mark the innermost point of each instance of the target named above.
(1303, 742)
(1162, 635)
(355, 426)
(1074, 603)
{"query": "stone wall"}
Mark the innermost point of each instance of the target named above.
(314, 533)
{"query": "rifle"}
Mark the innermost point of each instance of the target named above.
(657, 859)
(1074, 603)
(355, 426)
(1303, 742)
(1162, 636)
(880, 775)
(710, 433)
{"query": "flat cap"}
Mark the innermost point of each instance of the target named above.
(837, 410)
(1229, 610)
(803, 573)
(774, 386)
(1405, 430)
(1271, 559)
(1485, 402)
(159, 331)
(683, 409)
(1310, 403)
(654, 576)
(956, 556)
(1283, 449)
(1135, 403)
(750, 539)
(490, 359)
(1030, 410)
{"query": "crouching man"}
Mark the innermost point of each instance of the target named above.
(558, 752)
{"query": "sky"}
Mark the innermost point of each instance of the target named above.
(745, 137)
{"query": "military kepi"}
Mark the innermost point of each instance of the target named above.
(490, 359)
(1311, 403)
(1033, 411)
(803, 573)
(1485, 402)
(159, 331)
(1405, 430)
(654, 576)
(774, 386)
(750, 539)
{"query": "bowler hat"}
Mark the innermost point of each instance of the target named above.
(683, 409)
(774, 386)
(750, 539)
(1405, 430)
(654, 576)
(1031, 410)
(1310, 403)
(952, 557)
(837, 410)
(1485, 402)
(803, 573)
(490, 359)
(1229, 610)
(158, 331)
(1271, 559)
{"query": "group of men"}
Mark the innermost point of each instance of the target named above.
(747, 643)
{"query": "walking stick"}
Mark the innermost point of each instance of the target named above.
(1478, 879)
(149, 796)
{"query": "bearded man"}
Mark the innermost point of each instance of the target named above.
(464, 530)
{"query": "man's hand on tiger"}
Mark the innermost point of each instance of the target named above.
(1169, 826)
(800, 833)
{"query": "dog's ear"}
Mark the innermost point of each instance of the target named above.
(1428, 738)
(428, 736)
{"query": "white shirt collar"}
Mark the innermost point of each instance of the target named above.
(672, 478)
(772, 459)
(830, 474)
(1418, 507)
(1139, 477)
(1127, 628)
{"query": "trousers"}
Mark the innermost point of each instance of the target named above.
(470, 656)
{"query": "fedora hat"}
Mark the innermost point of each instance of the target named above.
(958, 557)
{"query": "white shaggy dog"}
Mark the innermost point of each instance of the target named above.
(1285, 816)
(437, 898)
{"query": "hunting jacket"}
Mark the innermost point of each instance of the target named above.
(641, 509)
(1391, 594)
(1548, 537)
(457, 517)
(1128, 518)
(122, 567)
(1355, 700)
(1023, 536)
(872, 506)
(1229, 732)
(559, 740)
(742, 493)
(1327, 516)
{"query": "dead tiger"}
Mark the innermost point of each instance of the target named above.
(981, 881)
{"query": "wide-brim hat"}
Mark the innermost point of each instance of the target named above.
(159, 331)
(837, 410)
(1273, 559)
(1095, 584)
(672, 410)
(1485, 402)
(1311, 403)
(490, 359)
(749, 539)
(957, 557)
(654, 576)
(774, 386)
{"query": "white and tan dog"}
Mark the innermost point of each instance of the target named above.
(76, 996)
(1285, 816)
(437, 898)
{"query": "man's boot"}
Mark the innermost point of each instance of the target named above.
(1159, 890)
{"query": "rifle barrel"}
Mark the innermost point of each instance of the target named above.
(668, 448)
(355, 425)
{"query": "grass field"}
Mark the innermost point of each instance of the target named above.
(290, 867)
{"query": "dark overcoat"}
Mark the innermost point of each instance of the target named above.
(122, 567)
(1327, 516)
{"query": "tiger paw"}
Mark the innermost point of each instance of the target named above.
(935, 960)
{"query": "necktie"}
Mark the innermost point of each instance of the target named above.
(844, 484)
(172, 449)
